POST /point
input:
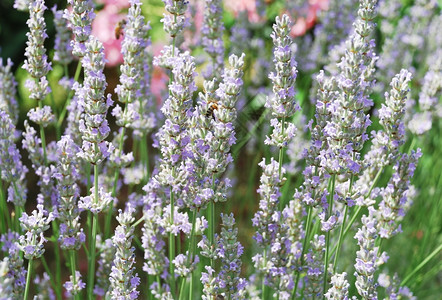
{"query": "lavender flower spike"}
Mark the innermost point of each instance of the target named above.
(71, 235)
(339, 287)
(212, 40)
(94, 125)
(31, 243)
(122, 278)
(366, 257)
(8, 103)
(62, 47)
(80, 22)
(175, 23)
(392, 113)
(36, 62)
(12, 170)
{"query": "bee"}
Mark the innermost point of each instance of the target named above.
(119, 29)
(210, 111)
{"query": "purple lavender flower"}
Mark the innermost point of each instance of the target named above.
(62, 47)
(155, 261)
(74, 286)
(315, 267)
(175, 24)
(79, 21)
(31, 243)
(37, 61)
(366, 257)
(123, 281)
(394, 196)
(94, 126)
(105, 263)
(42, 116)
(212, 41)
(22, 5)
(229, 250)
(8, 103)
(14, 276)
(13, 170)
(393, 289)
(44, 287)
(392, 112)
(71, 235)
(339, 287)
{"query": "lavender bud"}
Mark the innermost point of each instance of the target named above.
(71, 235)
(62, 47)
(15, 274)
(74, 287)
(80, 22)
(392, 112)
(41, 116)
(94, 125)
(212, 40)
(8, 85)
(339, 287)
(366, 258)
(315, 267)
(37, 61)
(31, 243)
(123, 281)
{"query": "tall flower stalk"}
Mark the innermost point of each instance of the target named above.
(95, 129)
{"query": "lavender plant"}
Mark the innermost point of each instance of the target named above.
(356, 157)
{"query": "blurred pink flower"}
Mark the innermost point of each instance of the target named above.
(159, 77)
(104, 26)
(304, 23)
(237, 6)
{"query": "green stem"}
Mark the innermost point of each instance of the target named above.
(18, 212)
(92, 251)
(159, 283)
(421, 265)
(68, 100)
(304, 247)
(28, 278)
(327, 245)
(172, 247)
(341, 237)
(211, 219)
(51, 278)
(281, 160)
(73, 269)
(57, 258)
(42, 137)
(263, 286)
(4, 208)
(192, 250)
(108, 220)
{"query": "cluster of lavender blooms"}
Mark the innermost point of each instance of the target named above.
(183, 249)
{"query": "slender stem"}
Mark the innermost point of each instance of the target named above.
(341, 237)
(51, 278)
(92, 253)
(304, 247)
(73, 269)
(108, 220)
(68, 100)
(159, 283)
(263, 286)
(211, 219)
(327, 245)
(281, 160)
(4, 208)
(172, 247)
(57, 257)
(421, 265)
(42, 137)
(192, 250)
(28, 278)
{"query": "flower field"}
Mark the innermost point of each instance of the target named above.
(209, 149)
